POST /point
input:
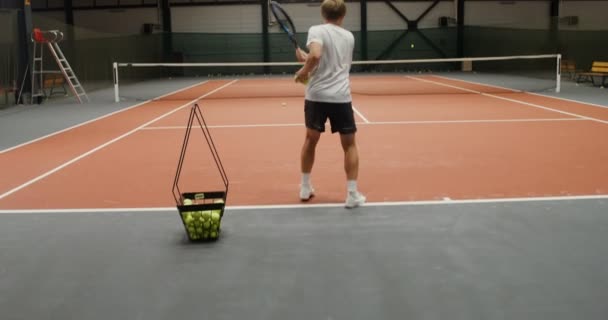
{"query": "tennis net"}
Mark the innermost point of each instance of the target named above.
(191, 81)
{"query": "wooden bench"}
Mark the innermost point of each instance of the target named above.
(5, 92)
(568, 68)
(53, 81)
(598, 69)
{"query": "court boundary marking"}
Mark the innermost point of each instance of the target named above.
(101, 146)
(507, 99)
(324, 205)
(365, 120)
(99, 118)
(375, 123)
(520, 91)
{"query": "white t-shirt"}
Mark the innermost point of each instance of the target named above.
(329, 82)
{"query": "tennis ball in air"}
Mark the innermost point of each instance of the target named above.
(188, 202)
(411, 45)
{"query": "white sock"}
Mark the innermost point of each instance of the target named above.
(306, 179)
(351, 185)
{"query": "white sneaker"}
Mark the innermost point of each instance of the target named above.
(355, 199)
(306, 192)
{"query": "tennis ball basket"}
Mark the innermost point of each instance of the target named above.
(201, 212)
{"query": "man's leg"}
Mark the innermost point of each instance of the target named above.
(351, 167)
(351, 156)
(307, 158)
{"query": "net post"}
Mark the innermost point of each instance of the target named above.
(559, 73)
(115, 74)
(466, 65)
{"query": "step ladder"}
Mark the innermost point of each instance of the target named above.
(51, 40)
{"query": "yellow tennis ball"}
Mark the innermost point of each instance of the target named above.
(215, 216)
(304, 82)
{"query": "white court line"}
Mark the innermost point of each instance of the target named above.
(509, 99)
(531, 93)
(360, 115)
(98, 118)
(476, 121)
(569, 100)
(229, 126)
(374, 123)
(371, 123)
(323, 205)
(48, 173)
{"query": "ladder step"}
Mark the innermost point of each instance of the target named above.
(66, 69)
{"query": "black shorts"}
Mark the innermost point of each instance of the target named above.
(341, 116)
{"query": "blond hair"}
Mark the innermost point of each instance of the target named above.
(333, 10)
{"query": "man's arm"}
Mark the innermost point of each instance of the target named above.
(301, 55)
(311, 62)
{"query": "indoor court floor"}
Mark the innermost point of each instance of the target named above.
(483, 203)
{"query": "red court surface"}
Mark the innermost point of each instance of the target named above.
(460, 144)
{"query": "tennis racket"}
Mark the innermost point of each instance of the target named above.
(284, 21)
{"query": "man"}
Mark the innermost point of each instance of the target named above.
(326, 72)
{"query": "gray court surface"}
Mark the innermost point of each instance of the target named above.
(510, 260)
